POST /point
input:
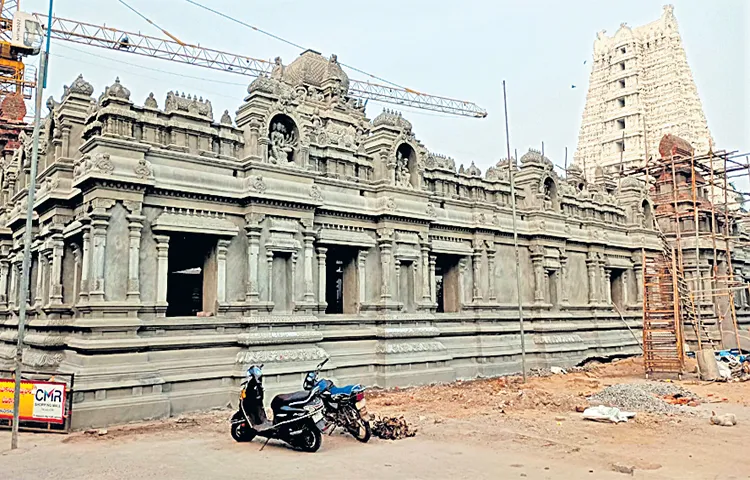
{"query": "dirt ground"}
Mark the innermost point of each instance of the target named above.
(484, 429)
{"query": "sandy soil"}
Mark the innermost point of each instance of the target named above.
(485, 429)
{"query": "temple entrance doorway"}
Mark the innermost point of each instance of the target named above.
(190, 277)
(341, 280)
(447, 283)
(617, 288)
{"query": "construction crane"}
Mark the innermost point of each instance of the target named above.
(20, 36)
(175, 50)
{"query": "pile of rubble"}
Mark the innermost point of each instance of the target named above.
(663, 398)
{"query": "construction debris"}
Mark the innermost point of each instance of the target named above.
(391, 428)
(726, 420)
(644, 397)
(605, 414)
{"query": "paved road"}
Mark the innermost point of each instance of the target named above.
(205, 455)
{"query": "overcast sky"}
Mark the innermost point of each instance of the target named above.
(460, 49)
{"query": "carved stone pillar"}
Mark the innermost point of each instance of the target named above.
(426, 285)
(293, 280)
(83, 295)
(461, 281)
(491, 268)
(4, 272)
(604, 283)
(607, 286)
(638, 272)
(477, 279)
(415, 279)
(433, 286)
(55, 269)
(13, 294)
(253, 258)
(538, 279)
(41, 272)
(322, 278)
(135, 226)
(222, 245)
(562, 284)
(162, 267)
(591, 267)
(385, 267)
(397, 268)
(361, 276)
(308, 266)
(99, 223)
(625, 293)
(269, 263)
(76, 288)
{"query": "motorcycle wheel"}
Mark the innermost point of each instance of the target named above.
(360, 429)
(240, 431)
(310, 440)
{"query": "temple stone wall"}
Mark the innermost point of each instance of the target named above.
(298, 192)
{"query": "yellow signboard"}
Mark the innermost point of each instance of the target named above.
(40, 401)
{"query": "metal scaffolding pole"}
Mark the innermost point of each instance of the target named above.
(27, 237)
(511, 168)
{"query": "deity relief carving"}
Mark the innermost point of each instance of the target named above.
(283, 140)
(143, 169)
(315, 193)
(403, 176)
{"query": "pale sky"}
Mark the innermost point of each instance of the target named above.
(462, 49)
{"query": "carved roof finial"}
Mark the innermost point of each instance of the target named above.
(81, 87)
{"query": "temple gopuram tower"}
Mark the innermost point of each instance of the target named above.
(640, 89)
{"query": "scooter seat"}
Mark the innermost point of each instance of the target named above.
(346, 390)
(289, 399)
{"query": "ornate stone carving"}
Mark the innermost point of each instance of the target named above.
(473, 171)
(282, 356)
(262, 84)
(101, 162)
(275, 338)
(282, 143)
(143, 169)
(259, 185)
(117, 90)
(391, 348)
(389, 204)
(403, 175)
(430, 210)
(393, 119)
(226, 119)
(151, 101)
(315, 193)
(179, 103)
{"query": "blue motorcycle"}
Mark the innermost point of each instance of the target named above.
(344, 407)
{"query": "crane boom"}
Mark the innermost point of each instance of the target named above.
(177, 51)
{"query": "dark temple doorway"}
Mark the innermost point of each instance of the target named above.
(190, 258)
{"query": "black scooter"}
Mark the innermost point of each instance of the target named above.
(297, 417)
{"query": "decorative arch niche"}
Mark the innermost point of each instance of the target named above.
(648, 214)
(283, 140)
(549, 192)
(407, 174)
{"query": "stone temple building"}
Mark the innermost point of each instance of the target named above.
(172, 249)
(640, 89)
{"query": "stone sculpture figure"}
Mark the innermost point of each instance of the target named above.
(281, 144)
(403, 177)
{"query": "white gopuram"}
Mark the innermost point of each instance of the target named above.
(640, 89)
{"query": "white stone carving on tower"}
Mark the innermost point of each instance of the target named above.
(640, 89)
